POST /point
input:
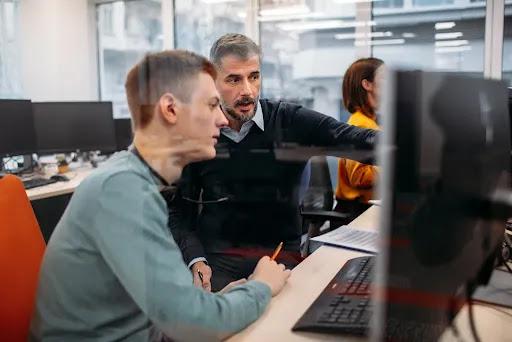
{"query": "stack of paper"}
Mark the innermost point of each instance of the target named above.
(364, 240)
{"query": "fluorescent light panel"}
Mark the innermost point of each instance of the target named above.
(353, 1)
(451, 43)
(310, 15)
(217, 1)
(380, 42)
(342, 36)
(453, 49)
(285, 10)
(448, 35)
(444, 25)
(323, 25)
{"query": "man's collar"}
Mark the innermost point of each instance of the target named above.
(258, 118)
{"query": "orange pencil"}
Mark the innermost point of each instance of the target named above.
(278, 249)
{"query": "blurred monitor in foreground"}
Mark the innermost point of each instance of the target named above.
(445, 154)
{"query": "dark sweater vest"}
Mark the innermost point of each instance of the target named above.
(262, 207)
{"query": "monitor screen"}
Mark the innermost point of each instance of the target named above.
(124, 135)
(71, 126)
(445, 156)
(510, 106)
(17, 135)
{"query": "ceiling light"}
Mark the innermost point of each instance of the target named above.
(311, 15)
(217, 1)
(380, 42)
(444, 25)
(451, 43)
(453, 49)
(353, 1)
(285, 10)
(341, 36)
(408, 35)
(448, 35)
(323, 25)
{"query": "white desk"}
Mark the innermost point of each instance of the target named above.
(59, 188)
(310, 277)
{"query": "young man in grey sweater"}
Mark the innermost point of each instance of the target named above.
(112, 271)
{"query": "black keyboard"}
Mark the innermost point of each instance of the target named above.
(35, 182)
(344, 305)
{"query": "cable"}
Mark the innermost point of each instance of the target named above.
(471, 315)
(505, 263)
(491, 306)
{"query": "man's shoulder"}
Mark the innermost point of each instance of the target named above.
(278, 107)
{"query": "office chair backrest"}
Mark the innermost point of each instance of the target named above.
(320, 194)
(21, 251)
(304, 182)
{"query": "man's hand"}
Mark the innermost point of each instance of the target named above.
(207, 275)
(232, 284)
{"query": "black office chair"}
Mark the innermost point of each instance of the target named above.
(318, 203)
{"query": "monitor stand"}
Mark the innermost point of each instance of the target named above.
(28, 166)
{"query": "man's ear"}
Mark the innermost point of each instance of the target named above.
(168, 107)
(367, 85)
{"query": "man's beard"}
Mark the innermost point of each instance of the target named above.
(243, 101)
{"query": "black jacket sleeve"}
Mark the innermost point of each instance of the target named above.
(183, 214)
(313, 128)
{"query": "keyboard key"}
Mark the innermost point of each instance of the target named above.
(344, 289)
(343, 320)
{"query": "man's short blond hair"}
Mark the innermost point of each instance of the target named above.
(159, 73)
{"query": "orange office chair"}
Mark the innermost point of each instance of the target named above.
(21, 252)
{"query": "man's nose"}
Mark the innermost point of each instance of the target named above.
(246, 89)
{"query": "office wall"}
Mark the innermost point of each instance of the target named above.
(57, 39)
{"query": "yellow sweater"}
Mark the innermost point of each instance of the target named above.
(356, 180)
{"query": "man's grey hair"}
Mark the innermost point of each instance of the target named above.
(235, 44)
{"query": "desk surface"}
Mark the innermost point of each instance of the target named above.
(311, 276)
(60, 188)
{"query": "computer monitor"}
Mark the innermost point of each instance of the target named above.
(124, 134)
(445, 156)
(71, 126)
(17, 135)
(510, 106)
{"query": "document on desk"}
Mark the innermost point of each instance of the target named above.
(363, 240)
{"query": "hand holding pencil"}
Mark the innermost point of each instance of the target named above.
(271, 273)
